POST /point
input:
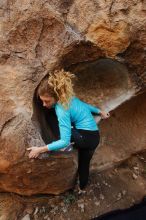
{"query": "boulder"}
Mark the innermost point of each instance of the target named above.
(103, 43)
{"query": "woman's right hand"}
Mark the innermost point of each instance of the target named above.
(104, 114)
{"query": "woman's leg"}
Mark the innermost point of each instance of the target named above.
(86, 143)
(85, 157)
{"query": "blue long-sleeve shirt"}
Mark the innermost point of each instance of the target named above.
(80, 114)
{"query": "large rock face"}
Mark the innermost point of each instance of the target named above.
(39, 36)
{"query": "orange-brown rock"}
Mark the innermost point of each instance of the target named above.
(39, 36)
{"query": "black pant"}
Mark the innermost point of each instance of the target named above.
(86, 142)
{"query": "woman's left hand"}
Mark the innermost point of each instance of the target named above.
(34, 152)
(104, 114)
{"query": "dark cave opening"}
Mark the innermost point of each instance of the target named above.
(46, 120)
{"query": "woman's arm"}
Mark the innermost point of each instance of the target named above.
(64, 128)
(56, 145)
(96, 110)
(65, 135)
(92, 108)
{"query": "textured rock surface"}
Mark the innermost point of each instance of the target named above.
(123, 135)
(37, 36)
(27, 177)
(116, 188)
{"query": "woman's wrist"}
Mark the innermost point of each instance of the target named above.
(44, 149)
(104, 114)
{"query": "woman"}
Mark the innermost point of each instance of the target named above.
(76, 122)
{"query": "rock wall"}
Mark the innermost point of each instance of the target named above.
(40, 36)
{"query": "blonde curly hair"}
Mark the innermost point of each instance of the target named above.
(59, 85)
